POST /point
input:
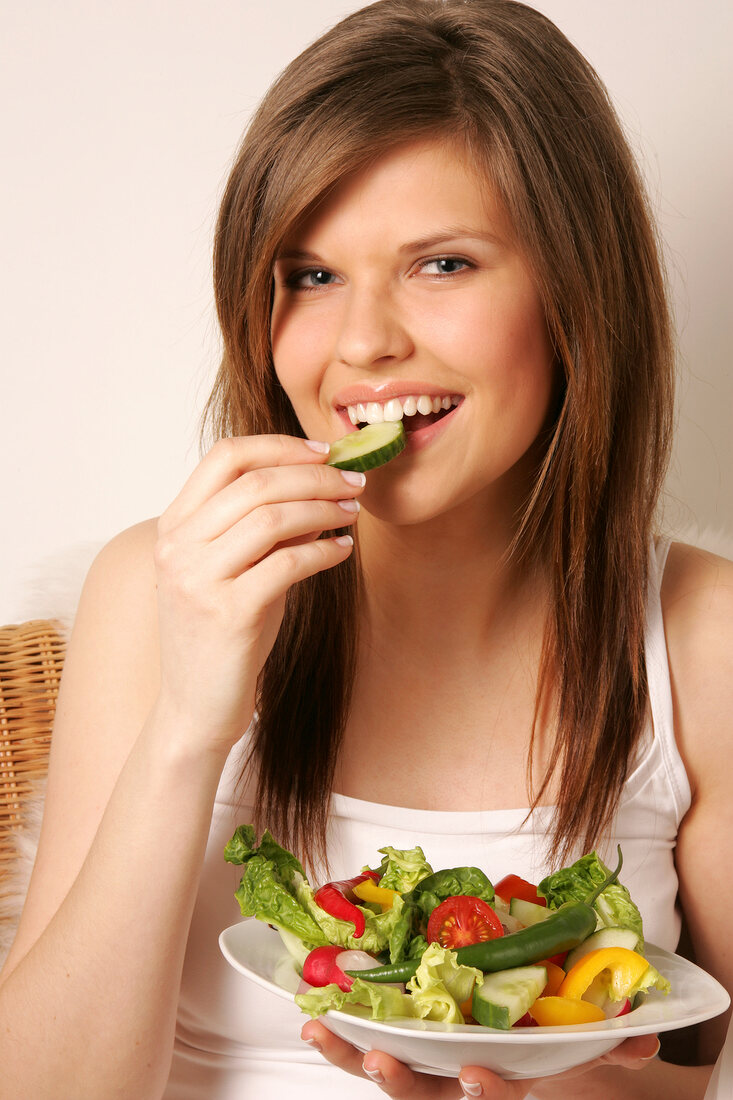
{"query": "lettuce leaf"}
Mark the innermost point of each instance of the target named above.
(262, 894)
(614, 906)
(441, 984)
(274, 889)
(380, 1001)
(402, 869)
(449, 883)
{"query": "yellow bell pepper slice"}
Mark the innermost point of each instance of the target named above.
(555, 978)
(369, 891)
(621, 969)
(563, 1011)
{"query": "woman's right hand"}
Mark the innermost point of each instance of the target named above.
(243, 529)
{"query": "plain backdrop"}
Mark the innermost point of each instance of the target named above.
(120, 120)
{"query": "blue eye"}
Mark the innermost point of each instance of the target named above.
(310, 279)
(444, 265)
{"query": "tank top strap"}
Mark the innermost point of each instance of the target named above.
(659, 683)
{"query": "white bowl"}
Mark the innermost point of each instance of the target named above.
(257, 952)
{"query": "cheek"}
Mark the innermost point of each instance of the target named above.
(297, 349)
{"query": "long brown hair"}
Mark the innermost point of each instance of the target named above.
(537, 123)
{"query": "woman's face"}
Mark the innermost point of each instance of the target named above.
(404, 296)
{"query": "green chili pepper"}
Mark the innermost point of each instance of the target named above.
(568, 926)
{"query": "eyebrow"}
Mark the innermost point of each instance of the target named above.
(449, 233)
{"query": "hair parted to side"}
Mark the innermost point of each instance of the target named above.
(532, 116)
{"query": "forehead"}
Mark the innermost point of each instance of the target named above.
(412, 190)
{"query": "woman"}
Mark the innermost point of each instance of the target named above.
(434, 216)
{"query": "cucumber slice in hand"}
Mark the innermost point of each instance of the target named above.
(368, 448)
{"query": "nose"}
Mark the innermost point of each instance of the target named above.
(371, 332)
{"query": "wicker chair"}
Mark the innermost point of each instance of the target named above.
(31, 660)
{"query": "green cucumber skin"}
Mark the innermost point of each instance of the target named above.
(371, 459)
(505, 996)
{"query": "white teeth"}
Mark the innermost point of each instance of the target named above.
(373, 412)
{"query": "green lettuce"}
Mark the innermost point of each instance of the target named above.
(402, 869)
(377, 1002)
(614, 906)
(440, 985)
(262, 894)
(650, 979)
(274, 889)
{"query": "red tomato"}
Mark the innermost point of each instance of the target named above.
(461, 920)
(512, 886)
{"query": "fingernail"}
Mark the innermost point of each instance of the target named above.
(373, 1075)
(313, 1043)
(353, 477)
(317, 445)
(349, 505)
(344, 540)
(470, 1088)
(648, 1057)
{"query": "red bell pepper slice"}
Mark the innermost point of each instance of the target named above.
(337, 898)
(512, 886)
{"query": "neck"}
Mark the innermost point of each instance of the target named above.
(450, 578)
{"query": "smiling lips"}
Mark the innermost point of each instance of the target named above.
(417, 410)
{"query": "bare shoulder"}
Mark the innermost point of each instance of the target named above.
(697, 604)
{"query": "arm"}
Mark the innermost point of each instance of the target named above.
(173, 627)
(698, 610)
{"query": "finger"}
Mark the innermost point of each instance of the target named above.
(336, 1051)
(275, 525)
(229, 458)
(288, 565)
(269, 485)
(634, 1052)
(399, 1081)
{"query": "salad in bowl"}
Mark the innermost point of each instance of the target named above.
(401, 941)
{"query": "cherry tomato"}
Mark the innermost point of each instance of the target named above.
(461, 920)
(512, 886)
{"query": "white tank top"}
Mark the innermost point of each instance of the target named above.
(236, 1041)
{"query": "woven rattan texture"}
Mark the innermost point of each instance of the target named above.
(31, 660)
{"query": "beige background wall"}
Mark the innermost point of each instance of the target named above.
(120, 120)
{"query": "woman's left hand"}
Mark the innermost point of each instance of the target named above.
(397, 1080)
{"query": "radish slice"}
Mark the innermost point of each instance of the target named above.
(353, 959)
(321, 968)
(617, 1008)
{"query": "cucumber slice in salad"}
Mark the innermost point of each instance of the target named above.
(604, 937)
(504, 996)
(527, 913)
(368, 448)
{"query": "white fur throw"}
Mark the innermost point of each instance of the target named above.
(14, 887)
